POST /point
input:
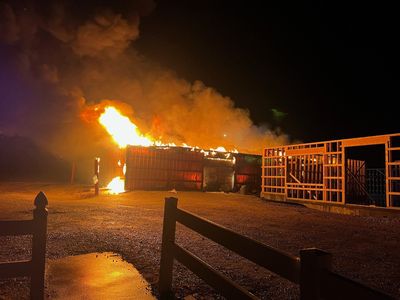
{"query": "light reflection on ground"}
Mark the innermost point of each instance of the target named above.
(95, 276)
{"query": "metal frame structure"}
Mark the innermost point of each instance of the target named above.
(316, 172)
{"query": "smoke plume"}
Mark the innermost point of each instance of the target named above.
(59, 59)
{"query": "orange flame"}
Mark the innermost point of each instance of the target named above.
(123, 131)
(116, 186)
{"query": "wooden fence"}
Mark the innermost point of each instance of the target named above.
(34, 268)
(312, 270)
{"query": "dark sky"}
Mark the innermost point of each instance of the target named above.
(332, 67)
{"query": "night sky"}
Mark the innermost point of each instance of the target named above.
(329, 67)
(314, 71)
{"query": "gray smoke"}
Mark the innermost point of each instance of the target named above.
(72, 55)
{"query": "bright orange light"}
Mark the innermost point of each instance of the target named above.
(116, 186)
(220, 149)
(123, 131)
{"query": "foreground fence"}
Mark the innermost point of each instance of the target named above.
(34, 268)
(312, 270)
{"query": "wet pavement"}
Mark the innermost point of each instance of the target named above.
(95, 276)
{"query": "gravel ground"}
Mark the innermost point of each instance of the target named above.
(363, 248)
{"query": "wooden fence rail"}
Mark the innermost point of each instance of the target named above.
(34, 268)
(312, 270)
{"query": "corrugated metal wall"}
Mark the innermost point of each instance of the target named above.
(152, 168)
(218, 175)
(248, 172)
(157, 168)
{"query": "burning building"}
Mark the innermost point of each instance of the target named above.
(335, 175)
(184, 168)
(144, 163)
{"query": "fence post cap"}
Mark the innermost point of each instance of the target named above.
(41, 200)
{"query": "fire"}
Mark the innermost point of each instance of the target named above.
(220, 149)
(123, 131)
(116, 186)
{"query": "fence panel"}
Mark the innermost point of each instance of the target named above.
(312, 270)
(217, 280)
(261, 254)
(35, 268)
(16, 227)
(335, 286)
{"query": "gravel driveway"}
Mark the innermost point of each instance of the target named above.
(364, 248)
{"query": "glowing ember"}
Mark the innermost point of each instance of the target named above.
(123, 131)
(220, 149)
(116, 186)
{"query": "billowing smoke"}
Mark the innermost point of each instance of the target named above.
(59, 59)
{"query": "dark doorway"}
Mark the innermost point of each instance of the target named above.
(218, 175)
(365, 175)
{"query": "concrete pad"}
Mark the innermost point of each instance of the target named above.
(95, 276)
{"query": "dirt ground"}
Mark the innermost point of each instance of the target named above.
(364, 248)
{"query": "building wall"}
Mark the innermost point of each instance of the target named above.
(165, 168)
(151, 168)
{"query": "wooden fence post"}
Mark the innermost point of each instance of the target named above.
(96, 175)
(312, 262)
(167, 247)
(39, 246)
(73, 172)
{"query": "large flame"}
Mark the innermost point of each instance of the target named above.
(123, 131)
(116, 186)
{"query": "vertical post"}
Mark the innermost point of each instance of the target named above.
(73, 172)
(324, 173)
(39, 246)
(312, 263)
(344, 179)
(202, 173)
(388, 173)
(96, 175)
(284, 179)
(167, 247)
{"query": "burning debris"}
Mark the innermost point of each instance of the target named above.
(116, 186)
(176, 167)
(179, 168)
